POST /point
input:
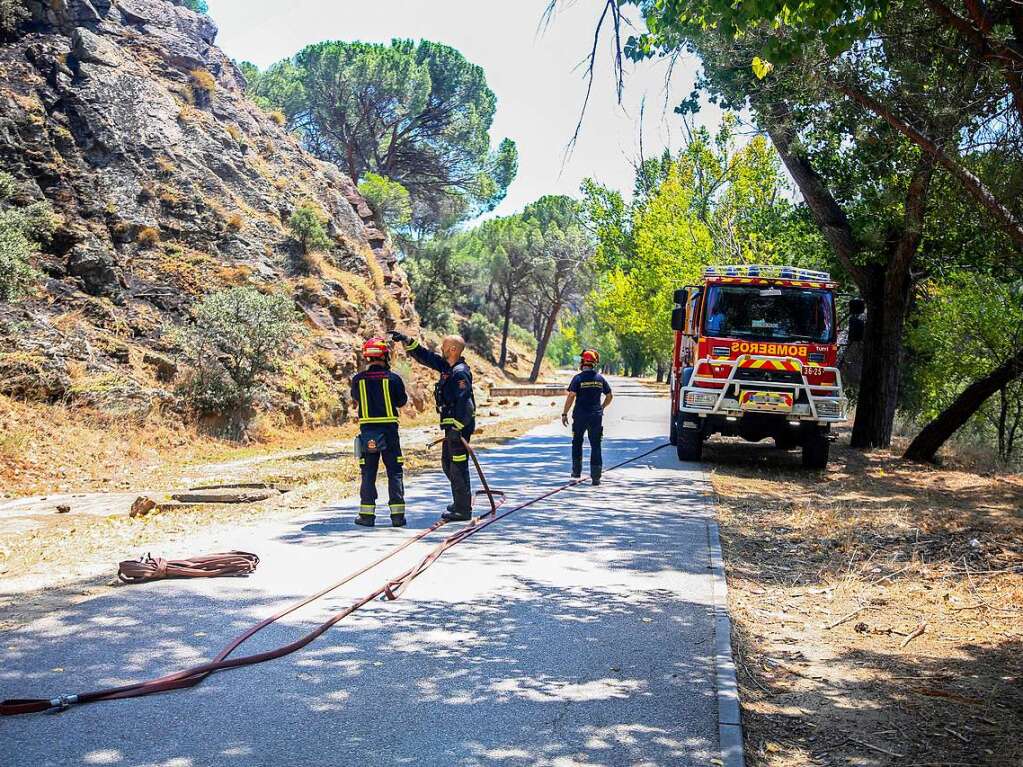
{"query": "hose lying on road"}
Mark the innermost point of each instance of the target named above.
(150, 568)
(390, 590)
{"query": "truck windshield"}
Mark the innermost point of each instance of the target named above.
(770, 313)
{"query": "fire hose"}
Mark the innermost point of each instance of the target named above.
(150, 568)
(391, 590)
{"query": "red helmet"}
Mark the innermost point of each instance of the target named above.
(590, 357)
(375, 349)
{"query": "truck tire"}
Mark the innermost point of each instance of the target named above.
(786, 440)
(690, 445)
(673, 432)
(816, 449)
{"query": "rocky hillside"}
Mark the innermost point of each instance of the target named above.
(168, 184)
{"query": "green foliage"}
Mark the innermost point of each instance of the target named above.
(417, 113)
(306, 224)
(713, 203)
(12, 14)
(522, 336)
(199, 6)
(969, 325)
(389, 200)
(238, 339)
(479, 334)
(22, 229)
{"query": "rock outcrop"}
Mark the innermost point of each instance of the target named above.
(168, 184)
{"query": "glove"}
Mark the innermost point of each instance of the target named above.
(401, 337)
(564, 419)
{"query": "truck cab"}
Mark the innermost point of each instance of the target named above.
(756, 356)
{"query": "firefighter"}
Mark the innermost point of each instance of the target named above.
(379, 393)
(584, 393)
(457, 407)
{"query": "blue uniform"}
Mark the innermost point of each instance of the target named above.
(457, 408)
(378, 393)
(589, 388)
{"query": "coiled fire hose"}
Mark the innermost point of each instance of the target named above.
(391, 590)
(150, 568)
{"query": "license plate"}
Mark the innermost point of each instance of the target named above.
(769, 401)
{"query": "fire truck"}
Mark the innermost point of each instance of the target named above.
(756, 356)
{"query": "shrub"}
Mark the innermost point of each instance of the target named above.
(278, 117)
(239, 337)
(522, 336)
(165, 166)
(148, 236)
(234, 132)
(479, 334)
(21, 231)
(202, 82)
(306, 224)
(169, 198)
(235, 222)
(12, 13)
(389, 200)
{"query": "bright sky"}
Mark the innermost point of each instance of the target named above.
(536, 75)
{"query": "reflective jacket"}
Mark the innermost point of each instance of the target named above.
(378, 393)
(453, 392)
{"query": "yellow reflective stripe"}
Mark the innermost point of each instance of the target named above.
(397, 507)
(380, 419)
(414, 344)
(401, 459)
(462, 457)
(362, 462)
(363, 400)
(452, 422)
(388, 408)
(367, 511)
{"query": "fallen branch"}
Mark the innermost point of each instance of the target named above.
(846, 617)
(877, 748)
(914, 634)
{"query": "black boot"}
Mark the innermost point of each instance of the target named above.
(456, 516)
(398, 520)
(364, 520)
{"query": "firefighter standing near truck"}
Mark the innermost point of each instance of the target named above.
(457, 407)
(379, 393)
(584, 400)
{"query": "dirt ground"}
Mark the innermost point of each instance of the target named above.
(877, 608)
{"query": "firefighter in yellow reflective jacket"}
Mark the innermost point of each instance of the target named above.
(378, 393)
(457, 408)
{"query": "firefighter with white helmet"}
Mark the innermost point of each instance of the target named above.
(378, 393)
(584, 400)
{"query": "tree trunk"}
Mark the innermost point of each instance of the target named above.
(660, 371)
(936, 433)
(504, 332)
(541, 347)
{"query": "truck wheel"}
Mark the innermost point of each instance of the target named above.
(690, 445)
(786, 440)
(816, 448)
(673, 432)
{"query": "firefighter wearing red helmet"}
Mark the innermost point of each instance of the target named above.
(457, 408)
(584, 400)
(378, 393)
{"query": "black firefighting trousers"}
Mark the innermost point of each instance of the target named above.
(583, 425)
(455, 460)
(393, 462)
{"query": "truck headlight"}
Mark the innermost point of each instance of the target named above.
(700, 399)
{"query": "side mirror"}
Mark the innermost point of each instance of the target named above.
(680, 297)
(857, 329)
(678, 318)
(857, 306)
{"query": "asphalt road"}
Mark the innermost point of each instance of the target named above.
(578, 631)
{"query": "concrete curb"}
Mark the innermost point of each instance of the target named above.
(729, 715)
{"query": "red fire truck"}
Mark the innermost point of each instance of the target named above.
(756, 356)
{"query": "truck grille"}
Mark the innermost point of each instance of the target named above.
(770, 376)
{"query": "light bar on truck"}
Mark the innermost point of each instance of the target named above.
(767, 272)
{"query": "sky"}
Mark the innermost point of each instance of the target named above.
(536, 74)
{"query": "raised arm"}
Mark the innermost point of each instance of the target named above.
(420, 354)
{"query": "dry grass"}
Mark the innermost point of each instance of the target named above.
(278, 117)
(148, 236)
(165, 166)
(876, 548)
